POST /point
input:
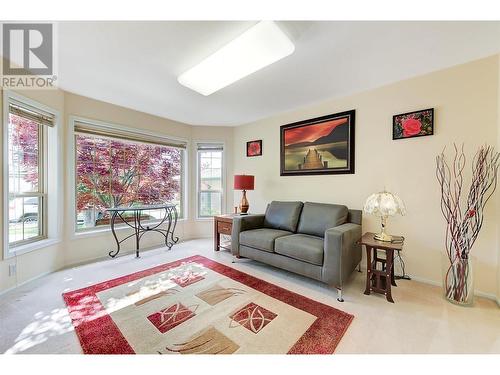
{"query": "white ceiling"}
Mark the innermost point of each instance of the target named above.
(136, 64)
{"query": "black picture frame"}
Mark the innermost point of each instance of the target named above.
(259, 141)
(396, 130)
(350, 151)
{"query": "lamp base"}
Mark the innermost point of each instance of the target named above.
(244, 206)
(382, 236)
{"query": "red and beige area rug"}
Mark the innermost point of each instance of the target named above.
(196, 305)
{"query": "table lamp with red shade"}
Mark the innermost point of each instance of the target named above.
(244, 182)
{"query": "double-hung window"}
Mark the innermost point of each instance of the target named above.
(27, 129)
(117, 166)
(210, 179)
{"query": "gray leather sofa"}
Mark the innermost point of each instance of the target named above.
(312, 239)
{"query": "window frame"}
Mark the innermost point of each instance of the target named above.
(41, 193)
(73, 120)
(50, 179)
(198, 178)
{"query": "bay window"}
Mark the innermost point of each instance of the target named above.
(122, 167)
(210, 179)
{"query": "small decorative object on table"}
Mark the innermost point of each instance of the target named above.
(464, 221)
(384, 204)
(379, 271)
(244, 182)
(223, 225)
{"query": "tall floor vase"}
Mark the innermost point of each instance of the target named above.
(458, 283)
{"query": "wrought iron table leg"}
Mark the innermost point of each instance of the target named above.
(168, 217)
(173, 240)
(113, 217)
(139, 230)
(137, 226)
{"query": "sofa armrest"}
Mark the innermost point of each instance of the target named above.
(342, 253)
(240, 224)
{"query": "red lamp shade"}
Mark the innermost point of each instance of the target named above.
(243, 182)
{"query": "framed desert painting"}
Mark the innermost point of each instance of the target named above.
(413, 124)
(254, 148)
(323, 145)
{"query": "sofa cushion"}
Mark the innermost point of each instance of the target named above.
(301, 247)
(262, 239)
(283, 215)
(316, 218)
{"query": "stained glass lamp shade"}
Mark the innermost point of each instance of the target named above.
(384, 204)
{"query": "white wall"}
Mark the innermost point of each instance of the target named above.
(465, 99)
(75, 249)
(498, 199)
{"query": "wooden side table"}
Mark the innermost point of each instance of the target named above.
(223, 224)
(379, 271)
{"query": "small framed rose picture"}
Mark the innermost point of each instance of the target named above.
(413, 124)
(254, 148)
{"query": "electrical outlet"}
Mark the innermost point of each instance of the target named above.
(12, 269)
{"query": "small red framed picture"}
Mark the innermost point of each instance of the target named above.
(254, 148)
(413, 124)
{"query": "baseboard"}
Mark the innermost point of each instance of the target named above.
(476, 293)
(28, 281)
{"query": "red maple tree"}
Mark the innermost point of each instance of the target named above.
(109, 172)
(23, 137)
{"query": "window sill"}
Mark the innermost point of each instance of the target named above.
(38, 245)
(107, 229)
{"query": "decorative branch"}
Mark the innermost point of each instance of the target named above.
(464, 222)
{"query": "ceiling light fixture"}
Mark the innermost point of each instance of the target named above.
(258, 47)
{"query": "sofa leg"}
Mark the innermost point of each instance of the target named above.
(339, 295)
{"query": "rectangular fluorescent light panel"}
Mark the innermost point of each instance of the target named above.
(258, 47)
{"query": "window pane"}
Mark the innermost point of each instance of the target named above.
(23, 155)
(25, 168)
(113, 172)
(210, 203)
(211, 170)
(210, 182)
(23, 218)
